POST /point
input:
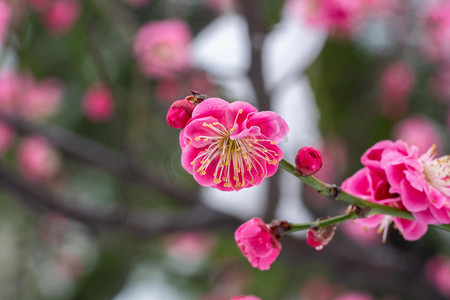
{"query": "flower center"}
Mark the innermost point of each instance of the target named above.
(238, 160)
(437, 170)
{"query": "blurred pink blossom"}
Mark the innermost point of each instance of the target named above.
(436, 31)
(6, 137)
(162, 48)
(12, 87)
(258, 243)
(248, 297)
(5, 18)
(340, 16)
(192, 246)
(396, 82)
(98, 104)
(354, 296)
(419, 131)
(60, 17)
(37, 159)
(437, 270)
(41, 100)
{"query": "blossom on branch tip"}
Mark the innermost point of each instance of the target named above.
(395, 175)
(308, 161)
(231, 146)
(258, 243)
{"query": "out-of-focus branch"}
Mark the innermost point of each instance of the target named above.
(142, 224)
(101, 156)
(253, 13)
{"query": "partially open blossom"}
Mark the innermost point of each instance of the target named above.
(37, 158)
(397, 81)
(98, 103)
(258, 243)
(180, 112)
(162, 48)
(437, 270)
(396, 175)
(308, 161)
(5, 18)
(6, 136)
(60, 17)
(248, 297)
(419, 131)
(320, 237)
(230, 146)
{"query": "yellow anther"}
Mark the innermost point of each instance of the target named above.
(217, 180)
(197, 139)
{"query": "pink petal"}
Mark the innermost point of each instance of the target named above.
(413, 199)
(272, 125)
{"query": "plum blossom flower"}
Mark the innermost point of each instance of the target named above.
(308, 161)
(437, 270)
(37, 158)
(41, 100)
(258, 243)
(162, 48)
(397, 81)
(61, 15)
(397, 176)
(247, 297)
(319, 237)
(230, 146)
(98, 104)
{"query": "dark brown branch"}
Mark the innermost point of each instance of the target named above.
(145, 224)
(101, 156)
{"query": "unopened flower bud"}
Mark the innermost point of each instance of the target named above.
(308, 161)
(180, 112)
(319, 237)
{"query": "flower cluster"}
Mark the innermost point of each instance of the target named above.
(395, 175)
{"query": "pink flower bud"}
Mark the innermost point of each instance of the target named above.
(180, 112)
(258, 243)
(319, 237)
(308, 161)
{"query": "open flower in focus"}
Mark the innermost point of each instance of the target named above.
(397, 176)
(162, 48)
(258, 243)
(230, 146)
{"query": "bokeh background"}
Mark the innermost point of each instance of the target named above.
(94, 203)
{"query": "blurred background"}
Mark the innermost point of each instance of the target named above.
(94, 203)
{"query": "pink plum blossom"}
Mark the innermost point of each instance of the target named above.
(320, 237)
(436, 31)
(6, 137)
(60, 17)
(37, 158)
(354, 296)
(41, 100)
(258, 243)
(12, 87)
(419, 131)
(248, 297)
(437, 270)
(98, 103)
(340, 16)
(395, 175)
(397, 82)
(230, 146)
(162, 48)
(180, 112)
(5, 18)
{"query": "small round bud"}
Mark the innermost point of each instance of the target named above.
(308, 161)
(320, 237)
(180, 112)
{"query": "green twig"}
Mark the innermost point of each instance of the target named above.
(323, 223)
